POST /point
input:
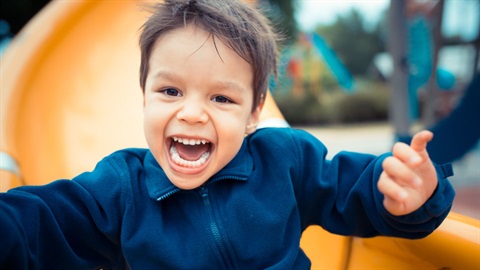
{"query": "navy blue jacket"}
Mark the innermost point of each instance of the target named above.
(250, 215)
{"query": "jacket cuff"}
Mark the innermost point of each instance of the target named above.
(435, 209)
(442, 198)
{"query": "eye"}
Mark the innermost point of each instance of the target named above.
(171, 92)
(221, 99)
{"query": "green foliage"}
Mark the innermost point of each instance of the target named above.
(281, 13)
(314, 97)
(362, 107)
(305, 110)
(368, 104)
(353, 43)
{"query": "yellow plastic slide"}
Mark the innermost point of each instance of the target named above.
(70, 96)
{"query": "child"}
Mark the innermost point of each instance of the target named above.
(204, 195)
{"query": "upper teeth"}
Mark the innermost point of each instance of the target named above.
(189, 141)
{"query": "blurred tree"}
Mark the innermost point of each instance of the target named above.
(281, 13)
(18, 12)
(354, 44)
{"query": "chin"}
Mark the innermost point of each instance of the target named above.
(187, 184)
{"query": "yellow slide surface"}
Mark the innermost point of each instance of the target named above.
(70, 96)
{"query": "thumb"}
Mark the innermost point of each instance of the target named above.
(420, 140)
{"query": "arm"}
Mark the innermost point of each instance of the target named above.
(61, 225)
(342, 196)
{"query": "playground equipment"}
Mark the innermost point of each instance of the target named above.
(70, 95)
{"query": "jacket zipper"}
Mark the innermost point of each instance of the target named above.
(215, 230)
(168, 194)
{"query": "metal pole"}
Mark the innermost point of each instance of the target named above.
(435, 21)
(399, 105)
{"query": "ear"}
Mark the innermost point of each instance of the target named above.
(254, 120)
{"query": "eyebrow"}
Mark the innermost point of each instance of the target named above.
(222, 84)
(230, 85)
(165, 74)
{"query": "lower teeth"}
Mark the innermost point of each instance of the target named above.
(188, 163)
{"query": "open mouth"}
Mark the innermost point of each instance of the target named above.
(189, 153)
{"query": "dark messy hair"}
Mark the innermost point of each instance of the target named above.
(239, 25)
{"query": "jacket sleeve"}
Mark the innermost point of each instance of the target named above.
(63, 225)
(341, 194)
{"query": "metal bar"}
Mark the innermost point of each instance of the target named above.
(399, 105)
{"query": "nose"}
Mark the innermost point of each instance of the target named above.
(192, 113)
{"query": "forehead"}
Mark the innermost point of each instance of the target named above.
(191, 51)
(191, 38)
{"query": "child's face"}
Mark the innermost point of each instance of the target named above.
(196, 94)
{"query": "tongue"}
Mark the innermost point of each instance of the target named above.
(191, 152)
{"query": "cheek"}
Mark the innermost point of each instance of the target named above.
(231, 124)
(231, 131)
(154, 130)
(154, 126)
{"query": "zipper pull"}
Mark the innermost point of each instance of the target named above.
(203, 192)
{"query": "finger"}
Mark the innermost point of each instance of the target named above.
(391, 189)
(420, 140)
(406, 154)
(395, 207)
(400, 172)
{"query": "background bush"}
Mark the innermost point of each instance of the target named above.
(368, 103)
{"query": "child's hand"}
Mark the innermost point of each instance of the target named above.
(409, 177)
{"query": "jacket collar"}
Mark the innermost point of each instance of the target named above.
(159, 186)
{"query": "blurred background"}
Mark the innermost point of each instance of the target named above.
(339, 71)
